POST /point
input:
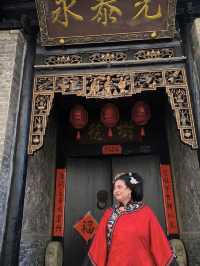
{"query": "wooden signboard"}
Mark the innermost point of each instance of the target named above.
(111, 149)
(64, 22)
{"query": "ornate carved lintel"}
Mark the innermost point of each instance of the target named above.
(112, 85)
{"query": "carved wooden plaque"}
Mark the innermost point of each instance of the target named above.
(65, 22)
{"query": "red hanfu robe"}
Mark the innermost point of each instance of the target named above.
(137, 240)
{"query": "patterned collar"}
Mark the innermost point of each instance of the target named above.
(130, 207)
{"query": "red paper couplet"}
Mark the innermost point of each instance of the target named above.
(59, 207)
(168, 197)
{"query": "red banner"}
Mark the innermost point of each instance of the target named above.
(168, 196)
(59, 209)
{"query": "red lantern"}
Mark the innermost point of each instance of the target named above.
(78, 118)
(141, 114)
(110, 117)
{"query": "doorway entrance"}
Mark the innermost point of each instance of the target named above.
(87, 176)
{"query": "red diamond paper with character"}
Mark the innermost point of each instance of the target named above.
(87, 226)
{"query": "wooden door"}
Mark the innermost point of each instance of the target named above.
(148, 166)
(85, 177)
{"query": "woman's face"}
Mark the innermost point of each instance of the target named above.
(121, 192)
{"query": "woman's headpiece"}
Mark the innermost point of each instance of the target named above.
(132, 179)
(118, 175)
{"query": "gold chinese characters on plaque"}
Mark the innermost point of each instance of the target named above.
(65, 22)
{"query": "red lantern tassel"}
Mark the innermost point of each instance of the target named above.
(142, 132)
(78, 135)
(110, 134)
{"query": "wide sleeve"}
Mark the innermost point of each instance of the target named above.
(98, 248)
(159, 245)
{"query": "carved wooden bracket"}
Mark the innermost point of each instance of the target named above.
(112, 85)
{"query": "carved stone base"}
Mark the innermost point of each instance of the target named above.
(54, 254)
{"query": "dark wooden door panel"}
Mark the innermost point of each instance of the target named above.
(85, 177)
(148, 166)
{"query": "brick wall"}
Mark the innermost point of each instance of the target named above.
(12, 54)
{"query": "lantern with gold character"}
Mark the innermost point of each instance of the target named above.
(110, 117)
(78, 118)
(140, 115)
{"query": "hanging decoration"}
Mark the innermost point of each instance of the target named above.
(78, 118)
(86, 226)
(110, 117)
(140, 115)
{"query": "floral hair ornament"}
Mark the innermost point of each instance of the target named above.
(133, 181)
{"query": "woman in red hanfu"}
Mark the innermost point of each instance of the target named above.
(129, 234)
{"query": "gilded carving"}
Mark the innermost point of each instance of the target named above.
(44, 83)
(69, 84)
(107, 57)
(41, 106)
(148, 80)
(181, 104)
(175, 77)
(108, 86)
(179, 97)
(42, 103)
(38, 124)
(36, 142)
(154, 54)
(62, 59)
(188, 134)
(185, 118)
(112, 85)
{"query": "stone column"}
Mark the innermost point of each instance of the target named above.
(186, 177)
(39, 201)
(196, 68)
(196, 42)
(12, 57)
(192, 49)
